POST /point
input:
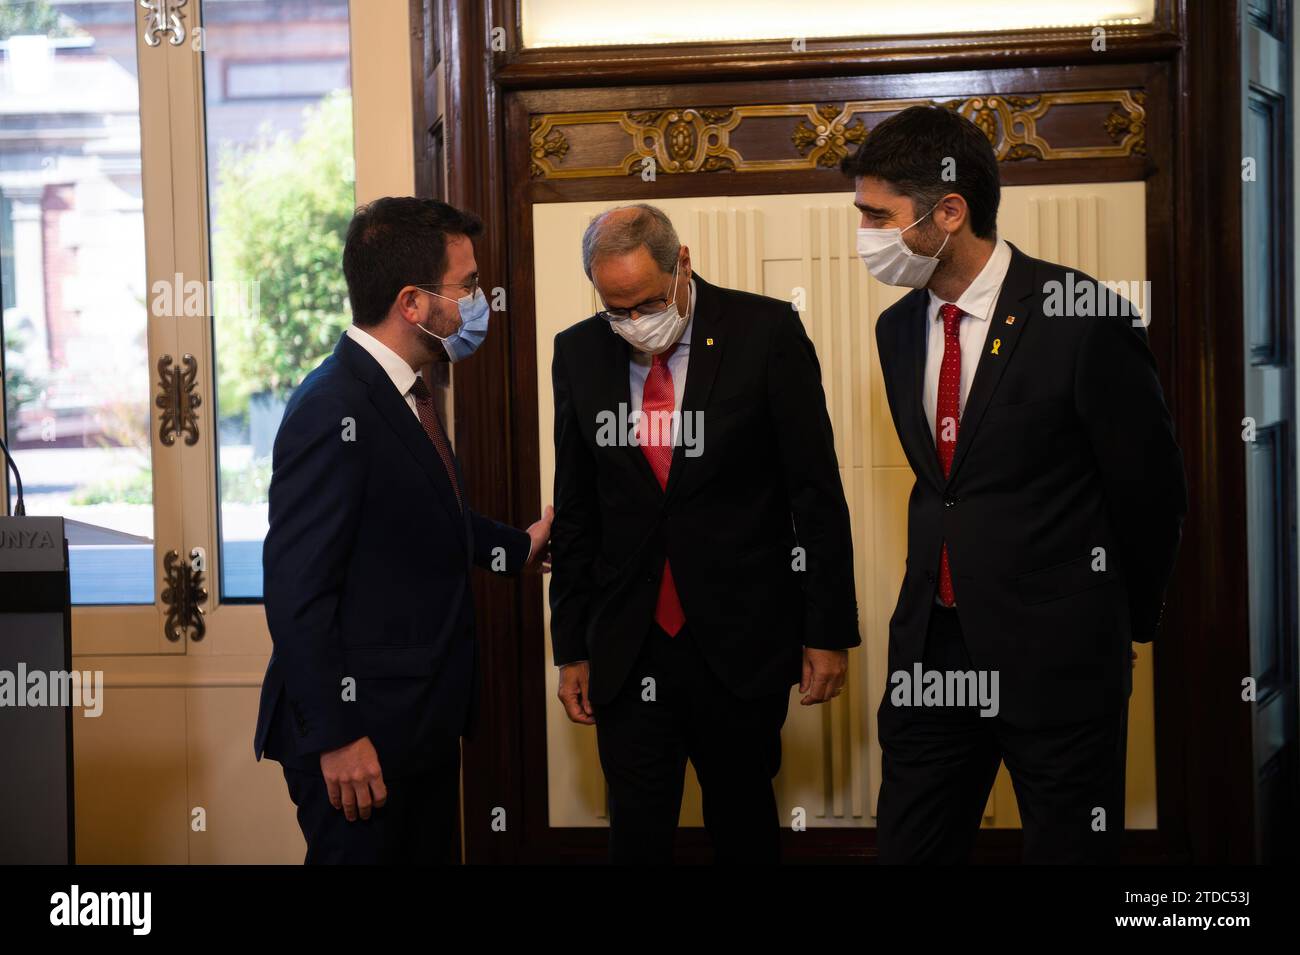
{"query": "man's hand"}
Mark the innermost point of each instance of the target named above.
(539, 557)
(823, 675)
(573, 692)
(353, 778)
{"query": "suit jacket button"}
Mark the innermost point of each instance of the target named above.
(949, 501)
(929, 575)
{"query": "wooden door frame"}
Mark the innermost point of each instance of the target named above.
(1186, 67)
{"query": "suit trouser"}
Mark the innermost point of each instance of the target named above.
(673, 708)
(416, 826)
(939, 764)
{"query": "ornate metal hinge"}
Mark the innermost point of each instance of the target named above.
(182, 596)
(164, 18)
(178, 400)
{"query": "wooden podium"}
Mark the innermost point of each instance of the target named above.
(36, 809)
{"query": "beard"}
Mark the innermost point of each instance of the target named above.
(436, 325)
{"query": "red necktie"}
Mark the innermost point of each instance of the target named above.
(654, 434)
(946, 419)
(433, 428)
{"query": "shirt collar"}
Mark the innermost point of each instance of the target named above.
(399, 372)
(981, 296)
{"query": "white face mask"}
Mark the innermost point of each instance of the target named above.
(656, 333)
(889, 260)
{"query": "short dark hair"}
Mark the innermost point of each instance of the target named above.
(397, 241)
(909, 150)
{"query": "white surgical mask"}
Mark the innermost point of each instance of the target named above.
(656, 333)
(889, 260)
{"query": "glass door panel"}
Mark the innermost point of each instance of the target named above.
(280, 178)
(78, 374)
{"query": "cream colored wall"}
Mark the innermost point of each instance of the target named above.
(381, 98)
(176, 732)
(776, 245)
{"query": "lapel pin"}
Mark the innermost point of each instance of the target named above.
(997, 343)
(1011, 319)
(708, 341)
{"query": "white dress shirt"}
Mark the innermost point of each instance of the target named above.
(402, 375)
(977, 304)
(639, 366)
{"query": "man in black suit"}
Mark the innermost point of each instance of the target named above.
(1045, 517)
(373, 676)
(703, 561)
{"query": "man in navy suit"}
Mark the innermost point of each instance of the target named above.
(1045, 517)
(373, 677)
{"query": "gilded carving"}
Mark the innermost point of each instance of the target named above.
(679, 140)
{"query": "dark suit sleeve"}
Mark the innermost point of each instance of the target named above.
(315, 500)
(575, 533)
(498, 547)
(805, 448)
(1119, 399)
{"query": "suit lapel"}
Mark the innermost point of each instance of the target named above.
(393, 408)
(916, 428)
(706, 346)
(1008, 322)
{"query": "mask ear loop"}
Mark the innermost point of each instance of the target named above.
(922, 219)
(676, 268)
(425, 330)
(946, 235)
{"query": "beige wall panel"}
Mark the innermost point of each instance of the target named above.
(801, 248)
(176, 734)
(131, 803)
(1140, 781)
(249, 816)
(381, 99)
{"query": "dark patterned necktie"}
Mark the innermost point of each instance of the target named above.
(433, 428)
(946, 419)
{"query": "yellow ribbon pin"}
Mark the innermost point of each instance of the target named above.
(997, 343)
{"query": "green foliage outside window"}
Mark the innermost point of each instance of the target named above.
(283, 208)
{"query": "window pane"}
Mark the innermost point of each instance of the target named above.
(599, 22)
(72, 269)
(280, 195)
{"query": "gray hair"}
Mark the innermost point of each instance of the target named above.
(619, 235)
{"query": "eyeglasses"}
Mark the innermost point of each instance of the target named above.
(648, 307)
(469, 286)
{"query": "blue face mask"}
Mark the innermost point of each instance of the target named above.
(465, 340)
